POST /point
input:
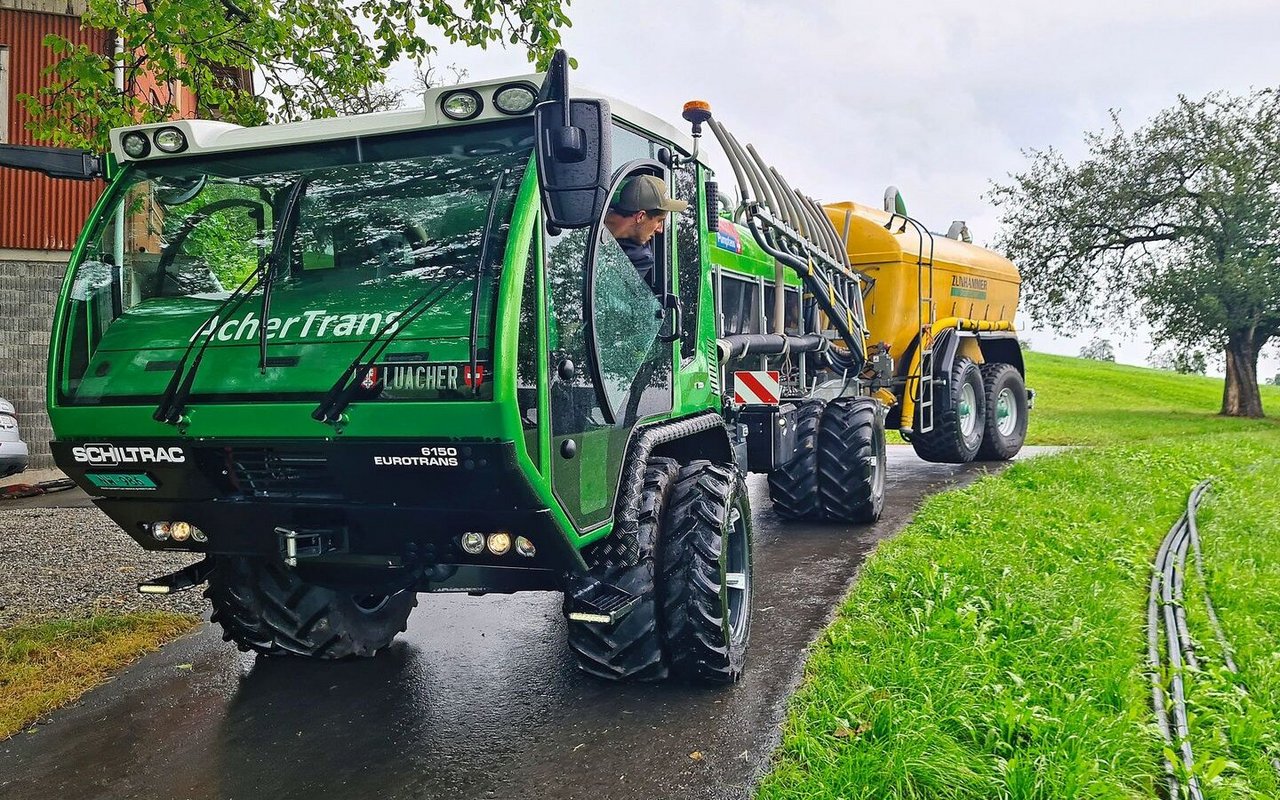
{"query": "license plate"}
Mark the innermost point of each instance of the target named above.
(121, 480)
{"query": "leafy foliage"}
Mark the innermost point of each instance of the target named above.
(1179, 218)
(314, 58)
(1181, 360)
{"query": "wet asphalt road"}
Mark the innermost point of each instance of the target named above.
(480, 699)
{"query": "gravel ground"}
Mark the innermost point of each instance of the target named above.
(75, 562)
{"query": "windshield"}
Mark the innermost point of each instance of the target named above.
(378, 222)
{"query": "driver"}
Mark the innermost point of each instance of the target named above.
(638, 211)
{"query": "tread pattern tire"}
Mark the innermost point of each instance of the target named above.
(851, 455)
(793, 487)
(265, 607)
(632, 649)
(700, 640)
(946, 443)
(997, 446)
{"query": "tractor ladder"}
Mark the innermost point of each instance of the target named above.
(920, 384)
(794, 229)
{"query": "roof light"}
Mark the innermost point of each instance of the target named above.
(170, 140)
(515, 98)
(135, 144)
(461, 105)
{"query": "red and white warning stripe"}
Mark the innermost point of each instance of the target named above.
(756, 388)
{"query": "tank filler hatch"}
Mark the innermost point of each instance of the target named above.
(794, 229)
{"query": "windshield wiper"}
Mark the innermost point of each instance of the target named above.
(284, 230)
(173, 401)
(339, 396)
(343, 390)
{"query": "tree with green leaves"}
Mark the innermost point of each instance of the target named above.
(1179, 218)
(312, 58)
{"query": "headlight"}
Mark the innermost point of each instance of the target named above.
(525, 547)
(171, 140)
(499, 543)
(135, 144)
(180, 531)
(473, 542)
(461, 105)
(515, 98)
(161, 530)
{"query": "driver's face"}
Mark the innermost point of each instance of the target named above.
(647, 226)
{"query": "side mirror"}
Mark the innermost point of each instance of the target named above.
(575, 160)
(56, 162)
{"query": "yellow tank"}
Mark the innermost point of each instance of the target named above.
(970, 283)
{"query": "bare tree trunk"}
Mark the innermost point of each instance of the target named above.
(1240, 395)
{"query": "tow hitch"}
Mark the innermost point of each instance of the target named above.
(179, 581)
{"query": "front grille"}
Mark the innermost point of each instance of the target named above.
(270, 472)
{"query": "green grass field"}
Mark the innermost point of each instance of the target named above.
(996, 648)
(1098, 402)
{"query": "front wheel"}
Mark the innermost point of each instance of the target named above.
(705, 573)
(959, 417)
(263, 606)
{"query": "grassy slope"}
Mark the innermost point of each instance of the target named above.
(996, 648)
(1097, 402)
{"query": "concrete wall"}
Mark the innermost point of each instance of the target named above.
(71, 8)
(29, 283)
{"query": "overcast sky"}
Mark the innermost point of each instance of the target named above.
(938, 98)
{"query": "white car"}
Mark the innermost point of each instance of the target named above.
(13, 451)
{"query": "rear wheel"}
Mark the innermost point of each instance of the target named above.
(851, 456)
(631, 649)
(793, 487)
(959, 417)
(265, 607)
(705, 574)
(1006, 423)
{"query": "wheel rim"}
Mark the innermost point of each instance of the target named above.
(967, 409)
(877, 466)
(737, 577)
(370, 603)
(1006, 412)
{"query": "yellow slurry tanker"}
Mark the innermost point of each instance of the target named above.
(941, 307)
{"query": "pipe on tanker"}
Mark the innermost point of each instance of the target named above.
(722, 137)
(769, 344)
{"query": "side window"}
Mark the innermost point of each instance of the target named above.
(688, 255)
(739, 306)
(627, 323)
(527, 355)
(791, 317)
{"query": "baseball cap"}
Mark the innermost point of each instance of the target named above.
(646, 193)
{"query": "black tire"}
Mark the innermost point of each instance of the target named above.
(705, 574)
(958, 420)
(793, 487)
(851, 460)
(265, 607)
(632, 649)
(1006, 422)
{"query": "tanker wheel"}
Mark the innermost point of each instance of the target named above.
(959, 417)
(1006, 424)
(851, 460)
(631, 649)
(705, 574)
(265, 607)
(793, 487)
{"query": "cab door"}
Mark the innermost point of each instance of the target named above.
(611, 355)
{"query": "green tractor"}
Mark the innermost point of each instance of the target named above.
(354, 360)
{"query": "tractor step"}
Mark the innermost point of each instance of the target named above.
(602, 603)
(185, 578)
